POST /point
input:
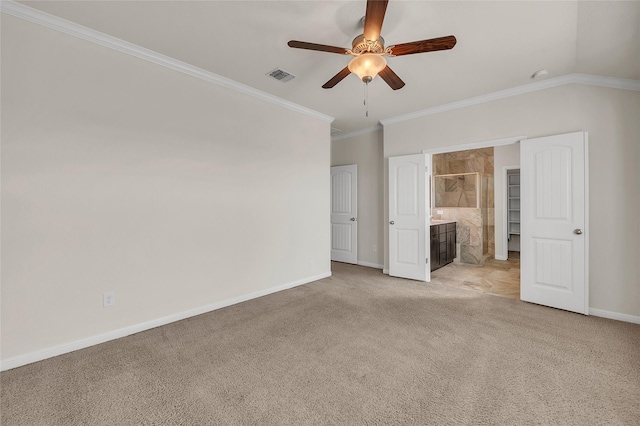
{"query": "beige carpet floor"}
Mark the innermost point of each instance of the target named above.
(356, 348)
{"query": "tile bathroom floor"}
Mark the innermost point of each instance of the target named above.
(497, 277)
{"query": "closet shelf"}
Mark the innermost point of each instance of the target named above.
(513, 195)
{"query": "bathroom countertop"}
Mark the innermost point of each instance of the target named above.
(441, 221)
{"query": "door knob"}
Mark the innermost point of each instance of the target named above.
(577, 231)
(392, 223)
(353, 219)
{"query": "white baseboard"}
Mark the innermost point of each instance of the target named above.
(614, 315)
(385, 271)
(40, 355)
(500, 257)
(370, 265)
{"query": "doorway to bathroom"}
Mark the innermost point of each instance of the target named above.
(468, 187)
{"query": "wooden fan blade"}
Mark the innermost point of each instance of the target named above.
(319, 47)
(337, 78)
(391, 78)
(440, 43)
(373, 19)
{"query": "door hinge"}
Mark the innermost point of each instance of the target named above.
(426, 260)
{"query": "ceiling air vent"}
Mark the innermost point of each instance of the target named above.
(281, 75)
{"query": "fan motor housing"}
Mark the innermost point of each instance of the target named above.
(362, 45)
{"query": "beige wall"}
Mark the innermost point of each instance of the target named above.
(611, 118)
(120, 175)
(365, 151)
(503, 156)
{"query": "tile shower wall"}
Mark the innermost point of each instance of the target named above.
(458, 190)
(475, 225)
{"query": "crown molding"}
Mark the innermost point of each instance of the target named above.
(586, 79)
(364, 131)
(28, 13)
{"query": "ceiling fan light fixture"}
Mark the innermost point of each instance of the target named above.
(368, 49)
(367, 66)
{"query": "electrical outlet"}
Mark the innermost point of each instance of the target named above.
(374, 248)
(439, 211)
(108, 299)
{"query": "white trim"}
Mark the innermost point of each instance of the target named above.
(610, 82)
(429, 202)
(500, 257)
(385, 271)
(475, 145)
(36, 16)
(614, 315)
(370, 265)
(587, 231)
(586, 79)
(126, 331)
(364, 131)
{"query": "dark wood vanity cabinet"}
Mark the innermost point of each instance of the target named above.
(443, 244)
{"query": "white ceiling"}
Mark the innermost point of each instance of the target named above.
(500, 44)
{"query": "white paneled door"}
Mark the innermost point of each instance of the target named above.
(408, 204)
(554, 234)
(344, 213)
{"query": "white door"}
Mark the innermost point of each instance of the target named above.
(408, 204)
(344, 213)
(554, 231)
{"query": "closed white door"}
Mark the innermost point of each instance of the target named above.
(554, 225)
(344, 213)
(407, 217)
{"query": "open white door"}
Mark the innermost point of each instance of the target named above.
(407, 217)
(344, 213)
(554, 223)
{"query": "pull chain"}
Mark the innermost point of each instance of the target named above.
(366, 99)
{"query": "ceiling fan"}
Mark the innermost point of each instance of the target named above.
(369, 51)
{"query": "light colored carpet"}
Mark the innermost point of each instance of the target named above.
(356, 348)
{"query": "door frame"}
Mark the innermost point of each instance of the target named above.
(491, 143)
